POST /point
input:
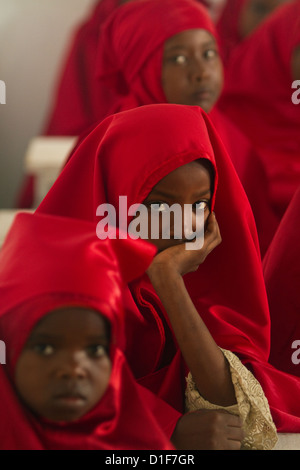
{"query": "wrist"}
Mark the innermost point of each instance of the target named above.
(162, 275)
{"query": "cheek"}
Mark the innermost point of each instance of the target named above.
(217, 76)
(101, 377)
(206, 215)
(173, 84)
(30, 380)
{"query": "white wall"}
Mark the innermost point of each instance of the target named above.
(34, 35)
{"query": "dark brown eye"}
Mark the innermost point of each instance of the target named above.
(44, 349)
(201, 205)
(159, 206)
(211, 53)
(96, 350)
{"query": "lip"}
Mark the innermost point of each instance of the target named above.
(202, 94)
(70, 398)
(70, 404)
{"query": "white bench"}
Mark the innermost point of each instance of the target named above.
(44, 159)
(288, 441)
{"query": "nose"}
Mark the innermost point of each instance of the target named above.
(71, 365)
(198, 70)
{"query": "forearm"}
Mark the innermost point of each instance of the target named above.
(204, 358)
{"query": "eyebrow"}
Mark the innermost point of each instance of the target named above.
(211, 42)
(103, 337)
(50, 337)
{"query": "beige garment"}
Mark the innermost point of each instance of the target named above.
(252, 405)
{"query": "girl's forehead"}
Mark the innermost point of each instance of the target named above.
(188, 37)
(197, 172)
(66, 318)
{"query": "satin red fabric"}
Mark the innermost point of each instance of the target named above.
(258, 97)
(79, 99)
(127, 154)
(49, 262)
(282, 277)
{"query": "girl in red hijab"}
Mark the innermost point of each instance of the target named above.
(66, 384)
(177, 61)
(258, 96)
(282, 276)
(129, 154)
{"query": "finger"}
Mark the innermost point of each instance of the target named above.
(212, 238)
(212, 235)
(212, 229)
(235, 433)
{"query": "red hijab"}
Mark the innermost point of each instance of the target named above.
(48, 262)
(282, 276)
(257, 97)
(127, 154)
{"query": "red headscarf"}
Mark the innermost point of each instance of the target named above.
(257, 97)
(282, 276)
(128, 154)
(49, 262)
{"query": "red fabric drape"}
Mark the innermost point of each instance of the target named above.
(282, 277)
(258, 97)
(127, 154)
(79, 100)
(48, 262)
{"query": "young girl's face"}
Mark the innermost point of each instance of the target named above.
(188, 184)
(192, 72)
(64, 368)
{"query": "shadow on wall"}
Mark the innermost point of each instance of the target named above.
(33, 40)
